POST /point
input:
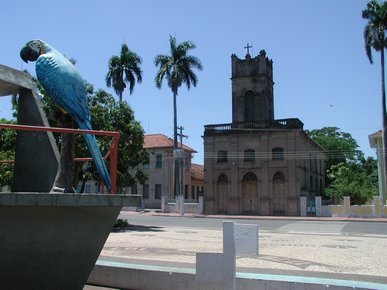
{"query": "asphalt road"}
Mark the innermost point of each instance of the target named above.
(350, 228)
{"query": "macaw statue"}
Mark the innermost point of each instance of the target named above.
(67, 89)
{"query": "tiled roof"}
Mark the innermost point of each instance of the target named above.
(162, 141)
(197, 171)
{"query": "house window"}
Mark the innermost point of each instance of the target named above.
(277, 154)
(249, 155)
(222, 156)
(157, 191)
(159, 160)
(145, 191)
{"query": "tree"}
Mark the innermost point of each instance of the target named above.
(177, 69)
(357, 180)
(124, 69)
(7, 152)
(374, 37)
(348, 173)
(109, 115)
(340, 147)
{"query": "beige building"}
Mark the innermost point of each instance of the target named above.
(160, 172)
(257, 164)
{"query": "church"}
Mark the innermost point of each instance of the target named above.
(257, 164)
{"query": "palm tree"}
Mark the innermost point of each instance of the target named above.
(374, 37)
(177, 69)
(124, 69)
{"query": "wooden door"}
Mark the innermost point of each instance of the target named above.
(250, 194)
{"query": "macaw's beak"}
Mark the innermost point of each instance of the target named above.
(28, 54)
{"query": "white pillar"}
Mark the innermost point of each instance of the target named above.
(201, 205)
(303, 205)
(377, 206)
(181, 204)
(163, 202)
(318, 206)
(229, 256)
(347, 206)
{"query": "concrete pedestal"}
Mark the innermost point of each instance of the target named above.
(52, 241)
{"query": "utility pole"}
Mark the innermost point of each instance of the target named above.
(181, 160)
(181, 136)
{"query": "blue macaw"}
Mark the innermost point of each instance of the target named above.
(65, 86)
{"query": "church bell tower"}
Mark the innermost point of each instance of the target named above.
(252, 91)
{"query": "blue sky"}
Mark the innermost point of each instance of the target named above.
(321, 73)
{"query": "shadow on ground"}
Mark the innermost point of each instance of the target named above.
(137, 228)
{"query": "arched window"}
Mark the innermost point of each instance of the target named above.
(249, 107)
(277, 153)
(222, 178)
(249, 155)
(222, 156)
(249, 177)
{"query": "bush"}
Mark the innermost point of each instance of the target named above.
(121, 223)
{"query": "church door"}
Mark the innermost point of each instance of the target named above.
(279, 194)
(222, 193)
(250, 194)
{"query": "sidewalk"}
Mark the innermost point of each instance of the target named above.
(359, 258)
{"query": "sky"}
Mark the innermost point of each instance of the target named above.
(321, 72)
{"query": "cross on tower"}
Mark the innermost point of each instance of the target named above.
(248, 48)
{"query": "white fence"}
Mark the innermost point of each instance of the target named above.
(182, 206)
(376, 209)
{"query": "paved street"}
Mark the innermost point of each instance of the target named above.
(272, 224)
(341, 249)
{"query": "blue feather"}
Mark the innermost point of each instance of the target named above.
(66, 87)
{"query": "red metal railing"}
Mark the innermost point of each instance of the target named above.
(112, 153)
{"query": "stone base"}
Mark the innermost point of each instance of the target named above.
(52, 241)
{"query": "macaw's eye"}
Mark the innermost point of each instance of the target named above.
(33, 55)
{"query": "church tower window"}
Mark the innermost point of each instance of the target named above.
(249, 107)
(222, 156)
(249, 155)
(277, 154)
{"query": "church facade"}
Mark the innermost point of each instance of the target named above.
(257, 164)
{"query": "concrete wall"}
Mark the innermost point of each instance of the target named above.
(132, 276)
(52, 241)
(195, 208)
(36, 154)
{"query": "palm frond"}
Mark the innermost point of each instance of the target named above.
(124, 69)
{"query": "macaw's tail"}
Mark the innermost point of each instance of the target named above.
(96, 154)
